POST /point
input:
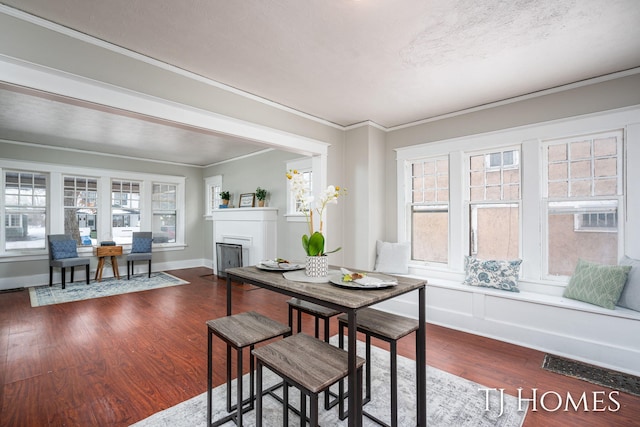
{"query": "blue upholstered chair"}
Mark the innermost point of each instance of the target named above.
(63, 253)
(140, 250)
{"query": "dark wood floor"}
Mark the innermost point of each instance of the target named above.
(116, 360)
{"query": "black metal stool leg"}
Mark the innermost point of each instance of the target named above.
(341, 394)
(229, 408)
(251, 377)
(394, 383)
(368, 368)
(313, 410)
(239, 410)
(209, 375)
(303, 409)
(259, 395)
(285, 406)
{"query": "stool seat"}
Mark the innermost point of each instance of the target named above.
(238, 331)
(244, 329)
(318, 312)
(312, 308)
(390, 328)
(307, 363)
(381, 323)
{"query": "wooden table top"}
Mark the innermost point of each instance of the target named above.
(336, 296)
(107, 250)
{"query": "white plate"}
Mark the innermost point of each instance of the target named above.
(282, 266)
(385, 282)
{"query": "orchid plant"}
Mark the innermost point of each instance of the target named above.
(313, 243)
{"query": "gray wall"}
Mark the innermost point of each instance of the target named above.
(607, 95)
(266, 170)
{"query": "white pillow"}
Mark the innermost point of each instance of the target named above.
(392, 258)
(630, 297)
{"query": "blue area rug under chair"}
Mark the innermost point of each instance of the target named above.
(77, 291)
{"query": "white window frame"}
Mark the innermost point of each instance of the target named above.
(55, 207)
(434, 205)
(26, 169)
(75, 177)
(619, 197)
(173, 211)
(533, 215)
(473, 245)
(316, 165)
(143, 214)
(212, 189)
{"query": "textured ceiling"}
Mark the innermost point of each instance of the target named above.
(390, 62)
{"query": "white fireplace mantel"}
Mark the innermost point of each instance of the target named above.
(254, 228)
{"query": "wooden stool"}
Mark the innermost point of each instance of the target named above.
(239, 331)
(318, 312)
(389, 328)
(307, 363)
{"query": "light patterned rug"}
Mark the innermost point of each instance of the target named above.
(77, 291)
(451, 401)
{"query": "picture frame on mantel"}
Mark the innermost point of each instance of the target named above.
(247, 200)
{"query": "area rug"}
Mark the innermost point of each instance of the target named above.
(451, 401)
(593, 374)
(77, 291)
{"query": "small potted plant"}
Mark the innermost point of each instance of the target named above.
(225, 196)
(261, 195)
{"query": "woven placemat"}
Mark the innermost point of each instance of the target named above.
(593, 374)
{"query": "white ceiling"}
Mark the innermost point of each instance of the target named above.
(343, 61)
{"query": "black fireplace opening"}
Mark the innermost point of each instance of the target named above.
(229, 255)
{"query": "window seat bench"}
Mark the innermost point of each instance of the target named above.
(549, 323)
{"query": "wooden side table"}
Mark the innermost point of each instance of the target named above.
(107, 251)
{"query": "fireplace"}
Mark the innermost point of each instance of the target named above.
(252, 229)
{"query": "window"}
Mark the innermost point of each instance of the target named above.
(212, 188)
(596, 222)
(164, 207)
(583, 187)
(514, 194)
(430, 210)
(494, 204)
(25, 210)
(42, 199)
(81, 209)
(304, 167)
(125, 210)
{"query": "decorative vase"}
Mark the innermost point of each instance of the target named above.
(260, 203)
(317, 266)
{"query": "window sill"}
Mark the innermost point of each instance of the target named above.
(84, 251)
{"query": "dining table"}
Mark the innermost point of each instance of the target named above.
(348, 300)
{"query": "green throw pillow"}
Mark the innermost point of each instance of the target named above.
(597, 284)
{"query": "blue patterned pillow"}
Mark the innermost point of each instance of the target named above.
(61, 249)
(497, 274)
(141, 245)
